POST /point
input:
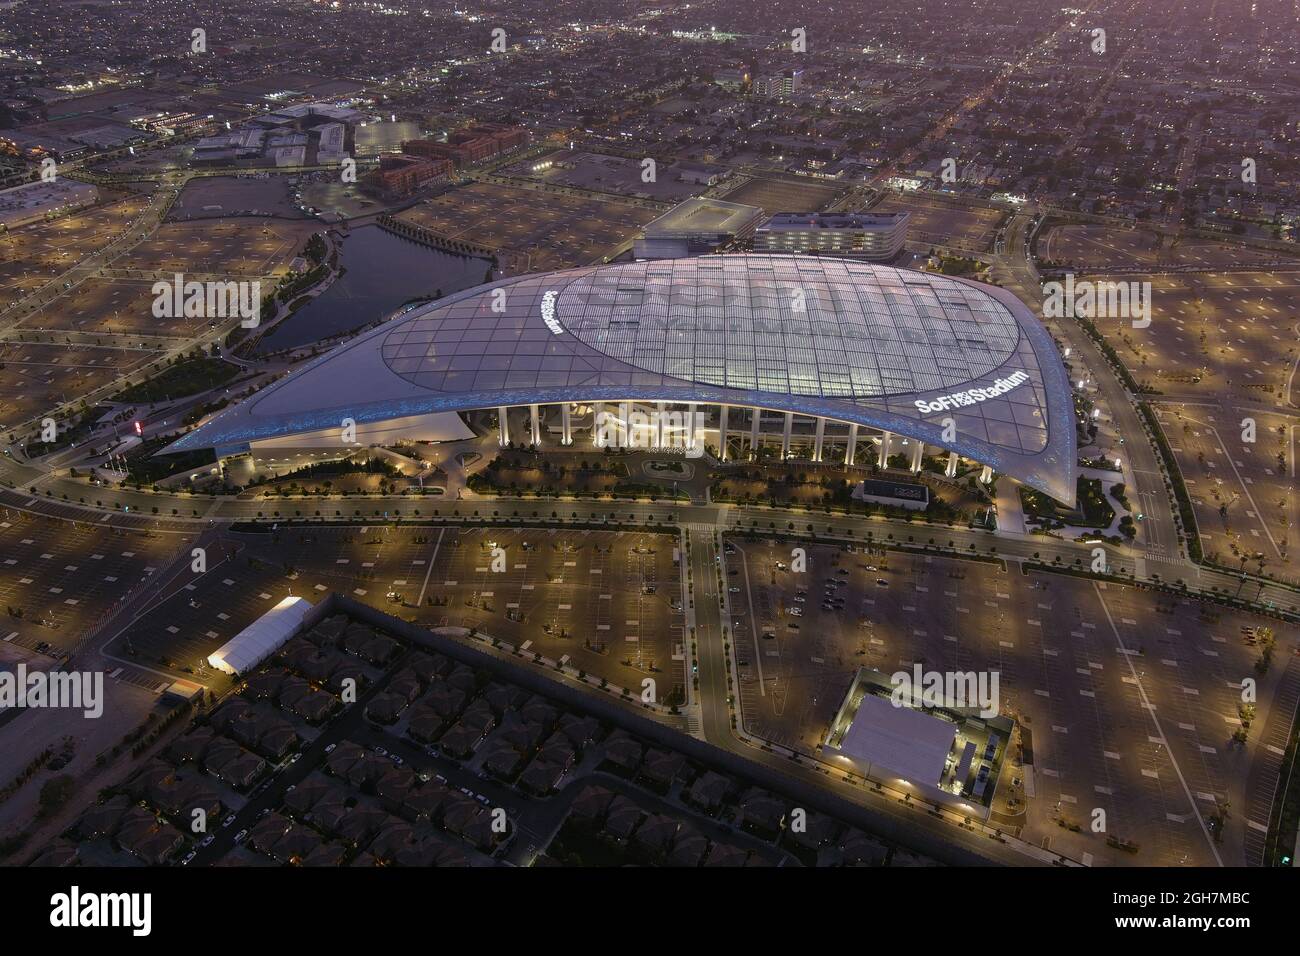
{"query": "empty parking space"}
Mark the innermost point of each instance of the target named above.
(1127, 701)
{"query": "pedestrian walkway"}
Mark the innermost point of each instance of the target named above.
(1011, 514)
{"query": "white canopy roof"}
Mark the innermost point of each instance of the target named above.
(262, 638)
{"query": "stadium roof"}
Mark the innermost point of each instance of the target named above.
(950, 362)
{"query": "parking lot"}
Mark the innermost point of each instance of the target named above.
(236, 247)
(210, 197)
(1096, 247)
(64, 577)
(1243, 492)
(602, 601)
(33, 254)
(546, 230)
(1214, 336)
(37, 377)
(969, 228)
(104, 306)
(1129, 698)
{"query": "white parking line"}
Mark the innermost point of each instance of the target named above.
(1159, 730)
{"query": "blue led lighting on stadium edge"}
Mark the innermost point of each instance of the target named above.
(913, 353)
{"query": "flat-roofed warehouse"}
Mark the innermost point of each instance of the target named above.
(912, 744)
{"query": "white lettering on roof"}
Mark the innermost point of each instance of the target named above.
(972, 395)
(548, 312)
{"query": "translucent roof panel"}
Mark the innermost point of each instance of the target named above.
(915, 353)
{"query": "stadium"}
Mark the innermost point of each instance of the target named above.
(735, 356)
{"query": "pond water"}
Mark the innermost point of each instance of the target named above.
(381, 272)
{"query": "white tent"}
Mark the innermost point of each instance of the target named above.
(260, 639)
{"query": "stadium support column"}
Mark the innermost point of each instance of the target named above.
(599, 424)
(753, 434)
(851, 450)
(885, 442)
(986, 475)
(785, 435)
(659, 424)
(951, 470)
(918, 452)
(503, 421)
(722, 432)
(690, 427)
(566, 423)
(537, 425)
(817, 441)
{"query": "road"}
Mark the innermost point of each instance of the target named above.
(1158, 532)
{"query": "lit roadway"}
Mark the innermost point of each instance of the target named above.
(1158, 531)
(18, 479)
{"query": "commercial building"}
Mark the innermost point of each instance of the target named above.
(886, 731)
(331, 145)
(873, 236)
(779, 85)
(400, 175)
(701, 174)
(284, 137)
(467, 147)
(734, 80)
(695, 227)
(799, 357)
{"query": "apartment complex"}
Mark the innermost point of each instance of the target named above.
(400, 175)
(475, 144)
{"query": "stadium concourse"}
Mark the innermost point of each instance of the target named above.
(726, 352)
